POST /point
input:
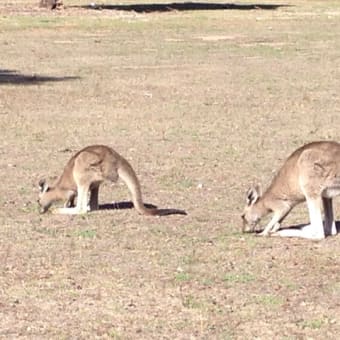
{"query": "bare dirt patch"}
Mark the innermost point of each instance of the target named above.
(202, 103)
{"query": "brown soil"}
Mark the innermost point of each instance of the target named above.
(203, 103)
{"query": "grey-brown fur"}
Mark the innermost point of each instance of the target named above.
(51, 4)
(84, 173)
(312, 174)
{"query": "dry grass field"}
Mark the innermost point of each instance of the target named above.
(203, 102)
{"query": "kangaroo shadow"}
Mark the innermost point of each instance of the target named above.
(13, 77)
(122, 205)
(129, 205)
(180, 6)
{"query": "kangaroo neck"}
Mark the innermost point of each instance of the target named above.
(262, 205)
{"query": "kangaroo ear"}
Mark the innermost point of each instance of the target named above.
(43, 186)
(253, 194)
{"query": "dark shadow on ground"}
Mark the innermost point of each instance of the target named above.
(181, 6)
(129, 205)
(13, 77)
(122, 205)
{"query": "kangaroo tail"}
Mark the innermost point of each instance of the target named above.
(166, 212)
(128, 175)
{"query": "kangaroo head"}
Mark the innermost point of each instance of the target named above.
(253, 211)
(46, 196)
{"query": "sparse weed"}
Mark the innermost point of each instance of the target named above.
(231, 278)
(113, 334)
(190, 301)
(207, 282)
(269, 300)
(52, 232)
(87, 234)
(182, 277)
(29, 207)
(313, 324)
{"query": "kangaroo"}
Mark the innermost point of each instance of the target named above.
(51, 4)
(84, 173)
(312, 174)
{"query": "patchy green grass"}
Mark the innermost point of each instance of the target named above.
(232, 278)
(270, 301)
(203, 103)
(182, 277)
(90, 234)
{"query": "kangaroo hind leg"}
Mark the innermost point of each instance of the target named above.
(315, 230)
(329, 227)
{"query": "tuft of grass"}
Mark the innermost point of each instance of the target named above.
(113, 334)
(313, 324)
(207, 282)
(191, 302)
(52, 232)
(87, 233)
(182, 277)
(186, 183)
(176, 180)
(238, 278)
(29, 208)
(289, 284)
(269, 300)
